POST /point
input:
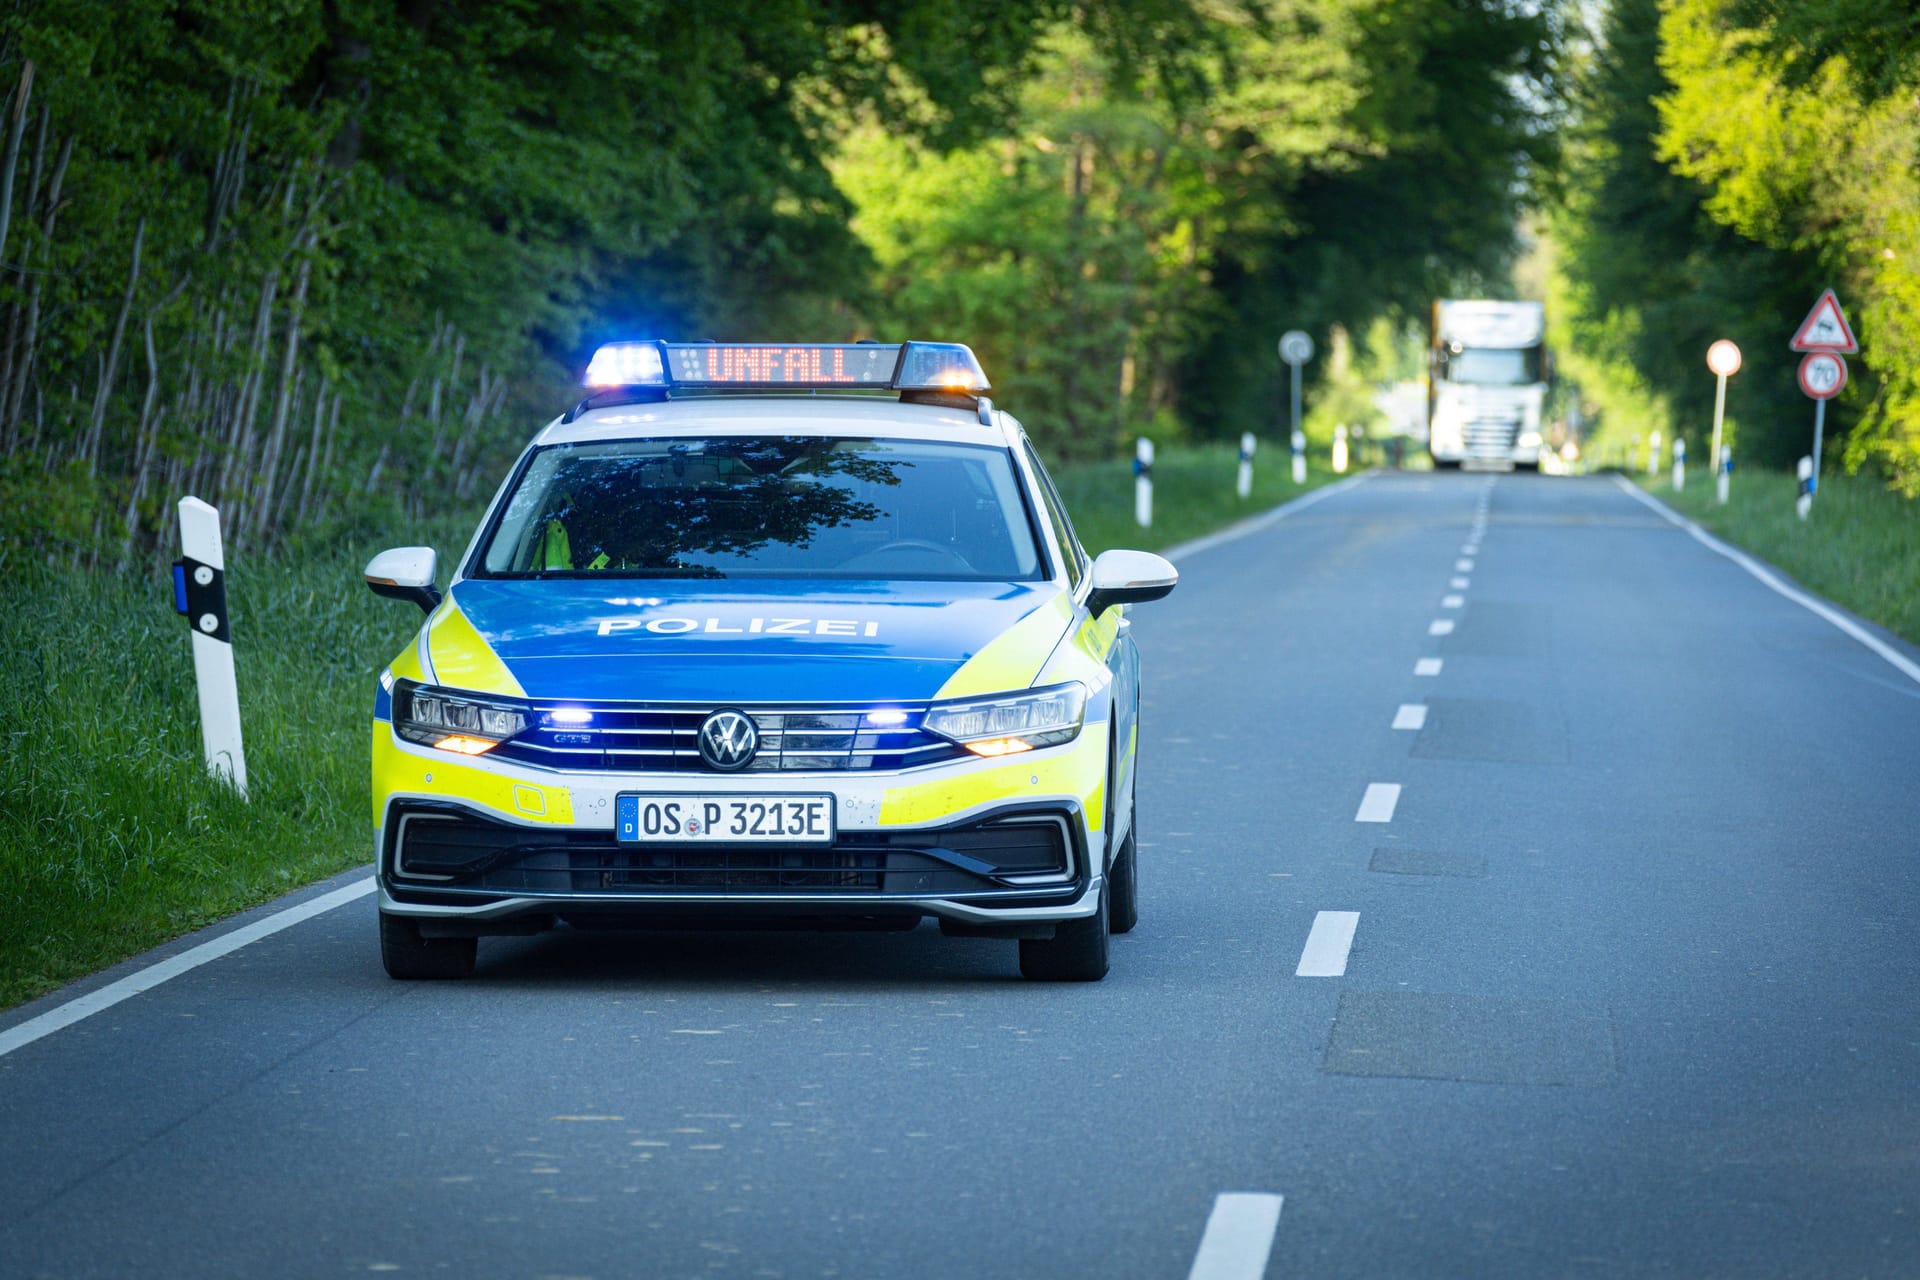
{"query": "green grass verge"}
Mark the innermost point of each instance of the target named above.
(113, 838)
(1860, 547)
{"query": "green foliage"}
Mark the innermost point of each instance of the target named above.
(1734, 157)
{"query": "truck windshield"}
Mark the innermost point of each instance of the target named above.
(766, 507)
(1490, 366)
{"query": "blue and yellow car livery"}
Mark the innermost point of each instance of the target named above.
(720, 652)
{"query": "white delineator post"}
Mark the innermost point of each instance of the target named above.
(1244, 484)
(1299, 457)
(1726, 474)
(200, 592)
(1804, 503)
(1340, 450)
(1143, 483)
(1679, 464)
(1653, 454)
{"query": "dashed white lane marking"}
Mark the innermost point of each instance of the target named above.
(65, 1015)
(1471, 549)
(1328, 942)
(1239, 1236)
(1411, 715)
(1459, 584)
(1427, 667)
(1452, 602)
(1379, 802)
(1895, 659)
(1463, 566)
(1440, 627)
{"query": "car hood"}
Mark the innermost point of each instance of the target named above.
(738, 641)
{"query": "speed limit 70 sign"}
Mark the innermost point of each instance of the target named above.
(1823, 374)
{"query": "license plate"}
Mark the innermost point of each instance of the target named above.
(723, 819)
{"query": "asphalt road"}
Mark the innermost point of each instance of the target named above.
(1632, 985)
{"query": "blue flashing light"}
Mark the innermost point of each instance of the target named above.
(626, 364)
(941, 366)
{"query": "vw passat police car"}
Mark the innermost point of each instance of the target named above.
(795, 634)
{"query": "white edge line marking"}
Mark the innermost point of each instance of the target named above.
(1328, 942)
(1820, 609)
(1411, 715)
(1379, 802)
(1440, 627)
(1427, 667)
(1254, 524)
(1239, 1236)
(65, 1015)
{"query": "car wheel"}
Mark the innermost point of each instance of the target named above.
(408, 955)
(1077, 951)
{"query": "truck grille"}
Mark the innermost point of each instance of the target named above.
(663, 738)
(1491, 437)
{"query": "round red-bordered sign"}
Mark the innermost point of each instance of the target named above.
(1823, 374)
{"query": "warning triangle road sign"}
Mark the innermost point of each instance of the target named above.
(1825, 328)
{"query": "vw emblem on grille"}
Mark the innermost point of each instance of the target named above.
(728, 740)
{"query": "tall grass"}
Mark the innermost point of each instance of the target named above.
(112, 836)
(1860, 547)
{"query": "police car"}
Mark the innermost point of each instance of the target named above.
(765, 634)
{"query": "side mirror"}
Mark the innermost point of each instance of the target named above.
(405, 573)
(1129, 577)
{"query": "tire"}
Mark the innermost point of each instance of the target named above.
(1077, 951)
(407, 955)
(1123, 885)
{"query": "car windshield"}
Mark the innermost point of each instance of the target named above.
(1494, 366)
(766, 507)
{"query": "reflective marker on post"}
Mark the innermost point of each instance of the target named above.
(1143, 483)
(1244, 485)
(1299, 457)
(1726, 474)
(1804, 503)
(1679, 465)
(200, 592)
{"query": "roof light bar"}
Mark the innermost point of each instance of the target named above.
(945, 367)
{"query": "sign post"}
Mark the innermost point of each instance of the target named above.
(1296, 348)
(1825, 336)
(200, 593)
(1723, 357)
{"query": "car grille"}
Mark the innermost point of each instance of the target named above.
(664, 738)
(455, 851)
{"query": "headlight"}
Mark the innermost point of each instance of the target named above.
(1007, 723)
(453, 722)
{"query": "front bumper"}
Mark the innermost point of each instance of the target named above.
(485, 846)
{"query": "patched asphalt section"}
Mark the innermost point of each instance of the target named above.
(1502, 629)
(1426, 862)
(1423, 1036)
(1492, 730)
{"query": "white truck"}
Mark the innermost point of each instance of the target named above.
(1486, 383)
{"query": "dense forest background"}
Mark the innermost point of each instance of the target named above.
(326, 263)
